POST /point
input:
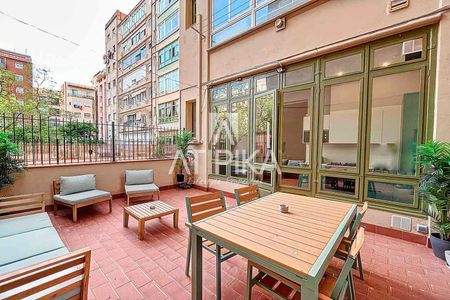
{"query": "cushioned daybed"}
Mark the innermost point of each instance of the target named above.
(34, 262)
(139, 183)
(78, 191)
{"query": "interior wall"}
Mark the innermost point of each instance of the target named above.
(109, 176)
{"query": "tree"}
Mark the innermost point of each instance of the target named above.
(9, 164)
(83, 133)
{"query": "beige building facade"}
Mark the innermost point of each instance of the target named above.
(320, 98)
(78, 102)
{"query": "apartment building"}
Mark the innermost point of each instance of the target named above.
(320, 98)
(134, 66)
(78, 102)
(99, 83)
(21, 65)
(111, 67)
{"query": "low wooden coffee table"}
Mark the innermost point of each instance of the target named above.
(144, 212)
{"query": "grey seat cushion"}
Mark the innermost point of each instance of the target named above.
(75, 184)
(141, 188)
(81, 197)
(23, 224)
(138, 177)
(28, 244)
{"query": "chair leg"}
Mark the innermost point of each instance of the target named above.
(55, 208)
(218, 274)
(110, 205)
(360, 268)
(188, 256)
(248, 294)
(351, 286)
(74, 213)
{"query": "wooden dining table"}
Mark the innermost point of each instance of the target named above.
(297, 245)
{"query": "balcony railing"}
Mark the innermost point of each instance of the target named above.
(53, 141)
(79, 95)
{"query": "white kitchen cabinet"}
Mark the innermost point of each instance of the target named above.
(344, 127)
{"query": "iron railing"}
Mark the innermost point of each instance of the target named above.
(53, 140)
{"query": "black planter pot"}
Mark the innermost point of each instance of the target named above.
(180, 178)
(439, 246)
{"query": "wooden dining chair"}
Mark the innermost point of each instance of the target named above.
(199, 208)
(246, 194)
(330, 287)
(344, 247)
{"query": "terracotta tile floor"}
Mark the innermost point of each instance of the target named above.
(127, 268)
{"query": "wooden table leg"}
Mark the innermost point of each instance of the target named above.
(175, 219)
(126, 216)
(141, 232)
(308, 293)
(197, 266)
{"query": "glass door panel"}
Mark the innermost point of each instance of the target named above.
(296, 129)
(340, 126)
(239, 125)
(219, 132)
(264, 115)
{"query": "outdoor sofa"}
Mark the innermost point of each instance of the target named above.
(34, 262)
(139, 183)
(78, 191)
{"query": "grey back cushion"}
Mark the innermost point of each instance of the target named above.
(138, 177)
(76, 184)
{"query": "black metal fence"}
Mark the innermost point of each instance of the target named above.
(53, 141)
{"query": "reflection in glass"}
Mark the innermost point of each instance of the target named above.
(399, 193)
(398, 53)
(338, 185)
(395, 123)
(263, 176)
(239, 124)
(219, 93)
(239, 171)
(240, 89)
(340, 124)
(266, 83)
(275, 8)
(299, 76)
(264, 128)
(295, 180)
(232, 30)
(296, 127)
(219, 169)
(343, 65)
(219, 132)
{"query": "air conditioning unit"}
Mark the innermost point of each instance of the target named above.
(401, 222)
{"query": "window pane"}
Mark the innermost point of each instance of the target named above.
(263, 176)
(399, 193)
(398, 53)
(274, 9)
(220, 13)
(219, 132)
(338, 185)
(395, 123)
(264, 128)
(266, 83)
(239, 89)
(299, 76)
(344, 65)
(219, 169)
(340, 126)
(219, 93)
(232, 30)
(239, 121)
(238, 7)
(239, 171)
(295, 180)
(295, 126)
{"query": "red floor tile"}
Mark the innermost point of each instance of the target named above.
(125, 267)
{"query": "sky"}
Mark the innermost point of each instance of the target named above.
(82, 21)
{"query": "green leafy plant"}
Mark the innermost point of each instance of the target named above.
(182, 141)
(8, 163)
(434, 158)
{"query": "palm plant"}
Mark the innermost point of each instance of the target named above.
(184, 154)
(434, 158)
(8, 163)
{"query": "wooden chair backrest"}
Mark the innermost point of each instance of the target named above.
(246, 194)
(56, 187)
(342, 281)
(53, 278)
(21, 205)
(357, 223)
(203, 206)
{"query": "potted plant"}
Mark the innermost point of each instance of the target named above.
(185, 156)
(9, 164)
(434, 186)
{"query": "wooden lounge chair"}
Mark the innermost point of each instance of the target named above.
(78, 191)
(34, 262)
(139, 183)
(199, 208)
(330, 288)
(246, 194)
(346, 243)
